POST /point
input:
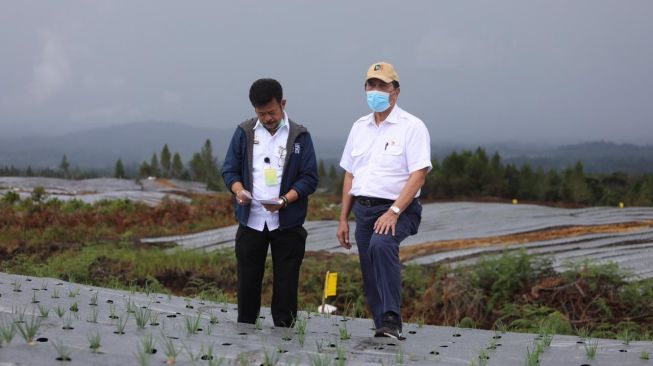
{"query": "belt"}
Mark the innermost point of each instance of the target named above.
(373, 201)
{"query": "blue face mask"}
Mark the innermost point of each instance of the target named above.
(378, 101)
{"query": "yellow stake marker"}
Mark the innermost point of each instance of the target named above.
(621, 205)
(515, 201)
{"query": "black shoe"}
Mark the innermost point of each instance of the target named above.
(391, 327)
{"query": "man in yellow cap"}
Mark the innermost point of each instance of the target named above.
(386, 159)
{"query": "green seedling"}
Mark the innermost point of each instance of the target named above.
(300, 327)
(483, 357)
(29, 329)
(270, 357)
(93, 315)
(7, 330)
(62, 351)
(170, 349)
(644, 355)
(154, 316)
(94, 299)
(344, 333)
(68, 322)
(94, 340)
(500, 326)
(121, 323)
(35, 300)
(625, 336)
(206, 354)
(60, 311)
(590, 348)
(130, 306)
(532, 357)
(44, 286)
(112, 311)
(399, 356)
(142, 356)
(44, 311)
(147, 344)
(583, 333)
(73, 293)
(341, 353)
(319, 359)
(17, 285)
(74, 307)
(213, 319)
(55, 293)
(142, 316)
(192, 324)
(20, 314)
(194, 357)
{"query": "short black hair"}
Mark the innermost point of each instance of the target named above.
(263, 91)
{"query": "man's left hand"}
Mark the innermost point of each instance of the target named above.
(276, 207)
(386, 223)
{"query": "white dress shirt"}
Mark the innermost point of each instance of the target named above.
(274, 148)
(382, 157)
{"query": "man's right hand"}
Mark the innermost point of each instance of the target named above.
(343, 234)
(243, 197)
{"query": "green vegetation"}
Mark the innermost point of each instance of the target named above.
(475, 175)
(97, 244)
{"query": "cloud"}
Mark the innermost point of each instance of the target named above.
(52, 72)
(170, 97)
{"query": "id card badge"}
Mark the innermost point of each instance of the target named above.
(270, 176)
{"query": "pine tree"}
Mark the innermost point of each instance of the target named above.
(166, 163)
(177, 166)
(155, 170)
(144, 170)
(212, 177)
(64, 167)
(119, 171)
(198, 172)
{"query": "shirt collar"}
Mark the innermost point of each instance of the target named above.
(285, 125)
(393, 117)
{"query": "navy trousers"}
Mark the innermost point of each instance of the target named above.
(379, 256)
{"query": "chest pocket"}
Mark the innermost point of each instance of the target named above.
(392, 157)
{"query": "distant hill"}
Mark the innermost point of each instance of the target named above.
(99, 148)
(597, 157)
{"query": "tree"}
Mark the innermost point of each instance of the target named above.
(64, 166)
(211, 175)
(119, 171)
(321, 172)
(177, 166)
(198, 172)
(155, 170)
(166, 163)
(144, 170)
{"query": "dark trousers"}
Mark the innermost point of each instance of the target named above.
(288, 248)
(379, 256)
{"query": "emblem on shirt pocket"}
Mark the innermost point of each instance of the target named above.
(297, 148)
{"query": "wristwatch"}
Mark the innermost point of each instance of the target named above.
(395, 210)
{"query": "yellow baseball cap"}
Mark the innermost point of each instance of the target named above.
(383, 71)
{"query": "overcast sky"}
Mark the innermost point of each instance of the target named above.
(473, 71)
